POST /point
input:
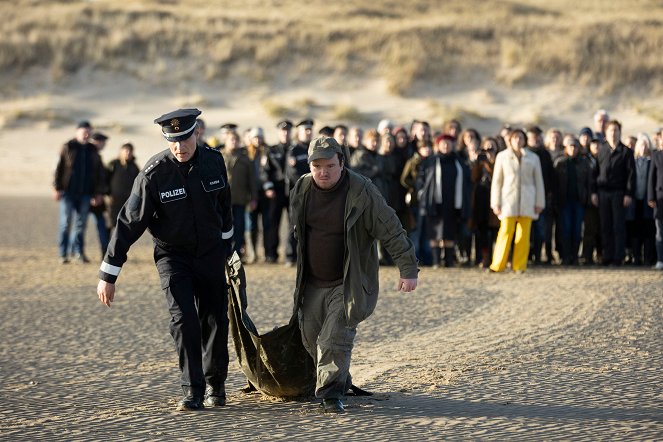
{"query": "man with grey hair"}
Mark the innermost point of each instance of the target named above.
(601, 119)
(339, 216)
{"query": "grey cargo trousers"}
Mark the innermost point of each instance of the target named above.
(328, 339)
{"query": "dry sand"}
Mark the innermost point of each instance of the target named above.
(551, 354)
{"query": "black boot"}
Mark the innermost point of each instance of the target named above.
(575, 248)
(436, 256)
(254, 245)
(192, 400)
(449, 256)
(332, 406)
(566, 252)
(215, 397)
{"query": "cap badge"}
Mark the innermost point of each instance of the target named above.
(175, 123)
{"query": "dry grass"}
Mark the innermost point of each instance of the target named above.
(611, 45)
(51, 117)
(348, 113)
(441, 112)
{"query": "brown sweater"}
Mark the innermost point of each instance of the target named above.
(325, 234)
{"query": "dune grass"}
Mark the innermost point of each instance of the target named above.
(611, 45)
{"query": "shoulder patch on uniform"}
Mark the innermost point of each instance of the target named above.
(150, 167)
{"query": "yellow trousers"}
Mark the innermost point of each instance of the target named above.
(521, 226)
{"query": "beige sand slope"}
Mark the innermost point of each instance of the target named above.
(552, 354)
(39, 119)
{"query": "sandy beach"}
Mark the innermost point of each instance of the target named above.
(551, 354)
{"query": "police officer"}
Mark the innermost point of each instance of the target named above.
(182, 196)
(296, 166)
(272, 176)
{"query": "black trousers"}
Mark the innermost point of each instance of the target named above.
(613, 226)
(275, 207)
(591, 238)
(197, 297)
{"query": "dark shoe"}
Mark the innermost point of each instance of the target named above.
(271, 259)
(82, 259)
(64, 260)
(332, 406)
(214, 397)
(248, 389)
(191, 401)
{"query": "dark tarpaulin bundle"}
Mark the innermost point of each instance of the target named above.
(276, 363)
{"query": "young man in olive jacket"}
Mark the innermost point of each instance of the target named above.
(339, 216)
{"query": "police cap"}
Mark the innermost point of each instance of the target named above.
(178, 125)
(323, 147)
(306, 123)
(228, 127)
(285, 124)
(98, 136)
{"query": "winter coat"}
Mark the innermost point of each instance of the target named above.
(517, 185)
(584, 180)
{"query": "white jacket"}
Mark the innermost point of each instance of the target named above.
(517, 186)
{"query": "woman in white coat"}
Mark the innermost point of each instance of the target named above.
(517, 197)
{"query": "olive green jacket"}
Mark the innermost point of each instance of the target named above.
(368, 218)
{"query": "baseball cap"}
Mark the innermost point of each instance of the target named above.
(323, 148)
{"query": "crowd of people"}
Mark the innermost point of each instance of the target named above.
(464, 199)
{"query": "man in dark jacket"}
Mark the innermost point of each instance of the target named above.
(655, 201)
(296, 166)
(273, 179)
(122, 172)
(98, 207)
(183, 198)
(616, 185)
(339, 216)
(535, 144)
(79, 180)
(575, 185)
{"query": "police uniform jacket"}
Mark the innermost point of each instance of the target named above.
(296, 164)
(185, 206)
(273, 168)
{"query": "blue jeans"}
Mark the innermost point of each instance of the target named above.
(571, 219)
(659, 239)
(73, 242)
(421, 242)
(102, 230)
(538, 236)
